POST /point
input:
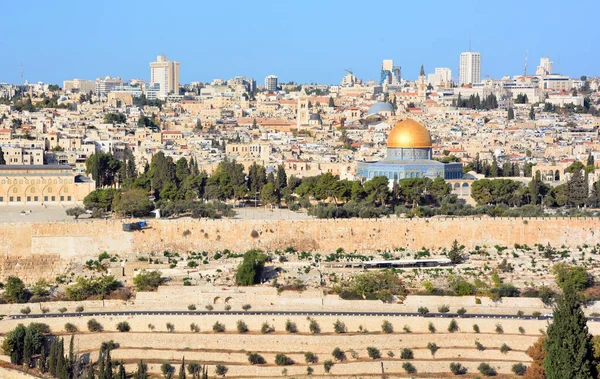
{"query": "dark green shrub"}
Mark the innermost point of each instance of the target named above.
(123, 327)
(373, 352)
(94, 326)
(486, 370)
(409, 368)
(387, 327)
(283, 360)
(407, 353)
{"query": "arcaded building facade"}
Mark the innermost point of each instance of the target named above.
(41, 184)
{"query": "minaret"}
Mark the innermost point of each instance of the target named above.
(422, 85)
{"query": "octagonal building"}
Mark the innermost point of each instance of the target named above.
(409, 156)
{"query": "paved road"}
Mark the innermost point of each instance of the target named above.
(280, 313)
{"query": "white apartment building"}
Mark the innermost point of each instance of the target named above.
(79, 85)
(470, 68)
(440, 75)
(165, 73)
(104, 86)
(546, 67)
(271, 83)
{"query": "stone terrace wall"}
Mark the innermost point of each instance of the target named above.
(25, 245)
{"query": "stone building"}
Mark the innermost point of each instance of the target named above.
(409, 156)
(40, 184)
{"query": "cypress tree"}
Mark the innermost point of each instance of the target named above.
(90, 372)
(71, 362)
(107, 366)
(28, 348)
(281, 177)
(121, 374)
(569, 345)
(52, 358)
(101, 365)
(578, 192)
(511, 113)
(43, 356)
(182, 369)
(142, 371)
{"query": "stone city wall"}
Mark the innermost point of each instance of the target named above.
(46, 247)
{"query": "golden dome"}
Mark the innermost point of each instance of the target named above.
(409, 134)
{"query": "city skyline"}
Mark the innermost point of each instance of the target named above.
(291, 45)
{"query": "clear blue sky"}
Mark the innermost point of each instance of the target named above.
(304, 41)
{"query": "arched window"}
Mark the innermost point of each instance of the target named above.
(66, 190)
(15, 190)
(49, 190)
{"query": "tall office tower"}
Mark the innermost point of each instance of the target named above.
(470, 68)
(546, 67)
(271, 83)
(166, 75)
(396, 75)
(386, 72)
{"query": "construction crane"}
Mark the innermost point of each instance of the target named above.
(349, 70)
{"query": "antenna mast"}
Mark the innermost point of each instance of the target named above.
(525, 69)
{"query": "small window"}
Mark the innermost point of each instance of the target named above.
(62, 198)
(35, 198)
(45, 198)
(53, 198)
(1, 198)
(19, 198)
(28, 198)
(11, 199)
(68, 198)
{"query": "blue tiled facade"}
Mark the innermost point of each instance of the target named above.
(409, 163)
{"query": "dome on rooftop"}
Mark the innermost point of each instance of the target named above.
(380, 107)
(409, 134)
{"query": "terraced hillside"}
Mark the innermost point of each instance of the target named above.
(149, 339)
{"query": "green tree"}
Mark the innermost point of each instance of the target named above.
(511, 113)
(227, 182)
(182, 169)
(115, 118)
(531, 113)
(331, 102)
(75, 212)
(182, 369)
(250, 270)
(569, 352)
(142, 371)
(147, 280)
(281, 177)
(2, 161)
(121, 374)
(578, 192)
(571, 277)
(103, 168)
(15, 290)
(162, 171)
(257, 177)
(167, 370)
(133, 202)
(270, 194)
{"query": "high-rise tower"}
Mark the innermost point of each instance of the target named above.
(470, 68)
(165, 73)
